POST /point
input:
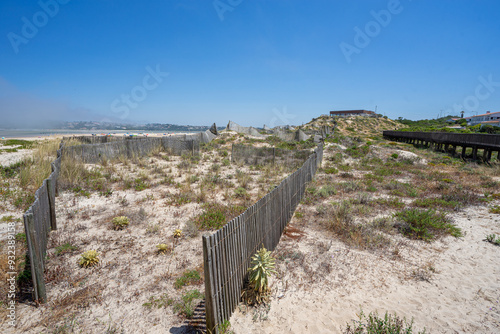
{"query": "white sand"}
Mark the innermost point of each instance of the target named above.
(463, 295)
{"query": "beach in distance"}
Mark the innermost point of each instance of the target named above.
(42, 133)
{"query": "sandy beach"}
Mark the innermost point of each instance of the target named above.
(460, 294)
(450, 285)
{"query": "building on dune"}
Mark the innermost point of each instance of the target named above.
(490, 118)
(347, 113)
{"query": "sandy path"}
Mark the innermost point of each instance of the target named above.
(463, 295)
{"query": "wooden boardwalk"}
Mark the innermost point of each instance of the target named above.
(448, 142)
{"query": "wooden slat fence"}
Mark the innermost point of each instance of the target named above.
(227, 253)
(93, 150)
(268, 155)
(39, 220)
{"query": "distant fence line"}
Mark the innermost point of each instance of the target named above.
(448, 142)
(130, 147)
(39, 220)
(251, 155)
(227, 253)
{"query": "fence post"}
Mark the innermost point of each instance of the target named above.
(35, 261)
(232, 152)
(52, 205)
(209, 309)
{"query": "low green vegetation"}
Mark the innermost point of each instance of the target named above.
(374, 324)
(10, 171)
(216, 215)
(495, 209)
(189, 277)
(158, 302)
(65, 248)
(185, 306)
(22, 144)
(436, 203)
(492, 238)
(425, 224)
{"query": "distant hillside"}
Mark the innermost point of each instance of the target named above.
(355, 125)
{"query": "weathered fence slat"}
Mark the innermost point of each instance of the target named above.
(207, 267)
(34, 255)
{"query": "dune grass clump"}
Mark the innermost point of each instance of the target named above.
(373, 323)
(492, 238)
(186, 305)
(425, 224)
(495, 209)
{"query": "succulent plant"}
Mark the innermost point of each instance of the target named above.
(89, 258)
(120, 222)
(262, 266)
(162, 248)
(177, 234)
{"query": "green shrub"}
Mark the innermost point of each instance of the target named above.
(216, 215)
(10, 171)
(435, 202)
(189, 277)
(495, 209)
(331, 170)
(425, 224)
(391, 202)
(140, 184)
(358, 151)
(240, 192)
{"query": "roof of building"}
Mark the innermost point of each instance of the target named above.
(489, 113)
(351, 112)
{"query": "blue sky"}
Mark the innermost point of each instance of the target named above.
(253, 62)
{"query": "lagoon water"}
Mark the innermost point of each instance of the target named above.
(33, 133)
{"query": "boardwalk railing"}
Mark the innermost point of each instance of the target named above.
(227, 253)
(39, 220)
(442, 140)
